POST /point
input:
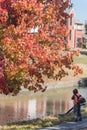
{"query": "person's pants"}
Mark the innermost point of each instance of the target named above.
(77, 112)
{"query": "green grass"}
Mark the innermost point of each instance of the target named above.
(80, 59)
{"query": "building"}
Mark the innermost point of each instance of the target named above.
(70, 26)
(76, 30)
(85, 35)
(78, 33)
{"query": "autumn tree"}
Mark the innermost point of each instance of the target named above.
(32, 43)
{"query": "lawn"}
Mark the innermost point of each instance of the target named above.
(82, 59)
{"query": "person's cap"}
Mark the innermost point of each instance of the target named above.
(75, 91)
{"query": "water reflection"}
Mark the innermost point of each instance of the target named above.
(28, 106)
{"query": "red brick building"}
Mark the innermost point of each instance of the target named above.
(70, 26)
(76, 30)
(78, 33)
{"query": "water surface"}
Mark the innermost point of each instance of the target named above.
(29, 105)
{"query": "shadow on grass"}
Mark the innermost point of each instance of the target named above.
(83, 52)
(82, 82)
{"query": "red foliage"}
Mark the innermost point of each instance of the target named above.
(3, 88)
(33, 43)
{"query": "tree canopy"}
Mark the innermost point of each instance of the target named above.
(32, 44)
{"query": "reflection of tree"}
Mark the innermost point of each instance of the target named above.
(49, 108)
(6, 114)
(56, 106)
(41, 107)
(62, 106)
(15, 111)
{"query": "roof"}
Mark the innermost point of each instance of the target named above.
(69, 10)
(78, 22)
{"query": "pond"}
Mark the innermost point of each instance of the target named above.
(29, 105)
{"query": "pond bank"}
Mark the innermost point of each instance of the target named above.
(67, 82)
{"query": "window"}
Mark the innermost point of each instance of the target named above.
(78, 26)
(66, 22)
(70, 20)
(70, 36)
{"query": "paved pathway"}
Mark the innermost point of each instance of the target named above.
(81, 125)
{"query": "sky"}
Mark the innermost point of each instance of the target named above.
(80, 9)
